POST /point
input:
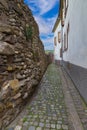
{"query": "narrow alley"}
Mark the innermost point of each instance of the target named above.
(43, 65)
(56, 105)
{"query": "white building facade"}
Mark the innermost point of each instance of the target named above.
(76, 23)
(57, 43)
(74, 42)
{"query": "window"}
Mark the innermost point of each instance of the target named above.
(66, 38)
(62, 22)
(63, 14)
(61, 52)
(55, 42)
(67, 2)
(67, 34)
(59, 37)
(66, 6)
(68, 28)
(64, 42)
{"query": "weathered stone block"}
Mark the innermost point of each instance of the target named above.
(5, 28)
(6, 49)
(14, 84)
(17, 96)
(5, 86)
(9, 105)
(11, 68)
(4, 3)
(25, 95)
(2, 107)
(34, 82)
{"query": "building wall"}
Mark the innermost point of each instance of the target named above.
(77, 19)
(58, 45)
(75, 58)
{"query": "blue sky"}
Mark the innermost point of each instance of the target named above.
(45, 13)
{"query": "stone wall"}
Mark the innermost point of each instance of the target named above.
(22, 58)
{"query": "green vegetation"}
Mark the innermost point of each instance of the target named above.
(52, 73)
(28, 32)
(49, 51)
(36, 56)
(24, 119)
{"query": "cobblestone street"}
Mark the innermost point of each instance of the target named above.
(56, 106)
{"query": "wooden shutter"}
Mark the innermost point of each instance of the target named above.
(55, 43)
(59, 37)
(61, 52)
(64, 42)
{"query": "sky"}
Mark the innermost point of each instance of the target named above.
(45, 13)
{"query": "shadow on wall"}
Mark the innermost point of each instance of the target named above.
(79, 77)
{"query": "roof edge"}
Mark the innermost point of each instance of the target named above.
(58, 18)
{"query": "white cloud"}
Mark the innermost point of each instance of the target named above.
(39, 8)
(43, 5)
(45, 25)
(48, 42)
(45, 28)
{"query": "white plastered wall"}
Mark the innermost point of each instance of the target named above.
(77, 46)
(58, 46)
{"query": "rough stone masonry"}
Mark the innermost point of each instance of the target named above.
(22, 58)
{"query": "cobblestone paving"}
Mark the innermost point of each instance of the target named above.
(47, 111)
(79, 103)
